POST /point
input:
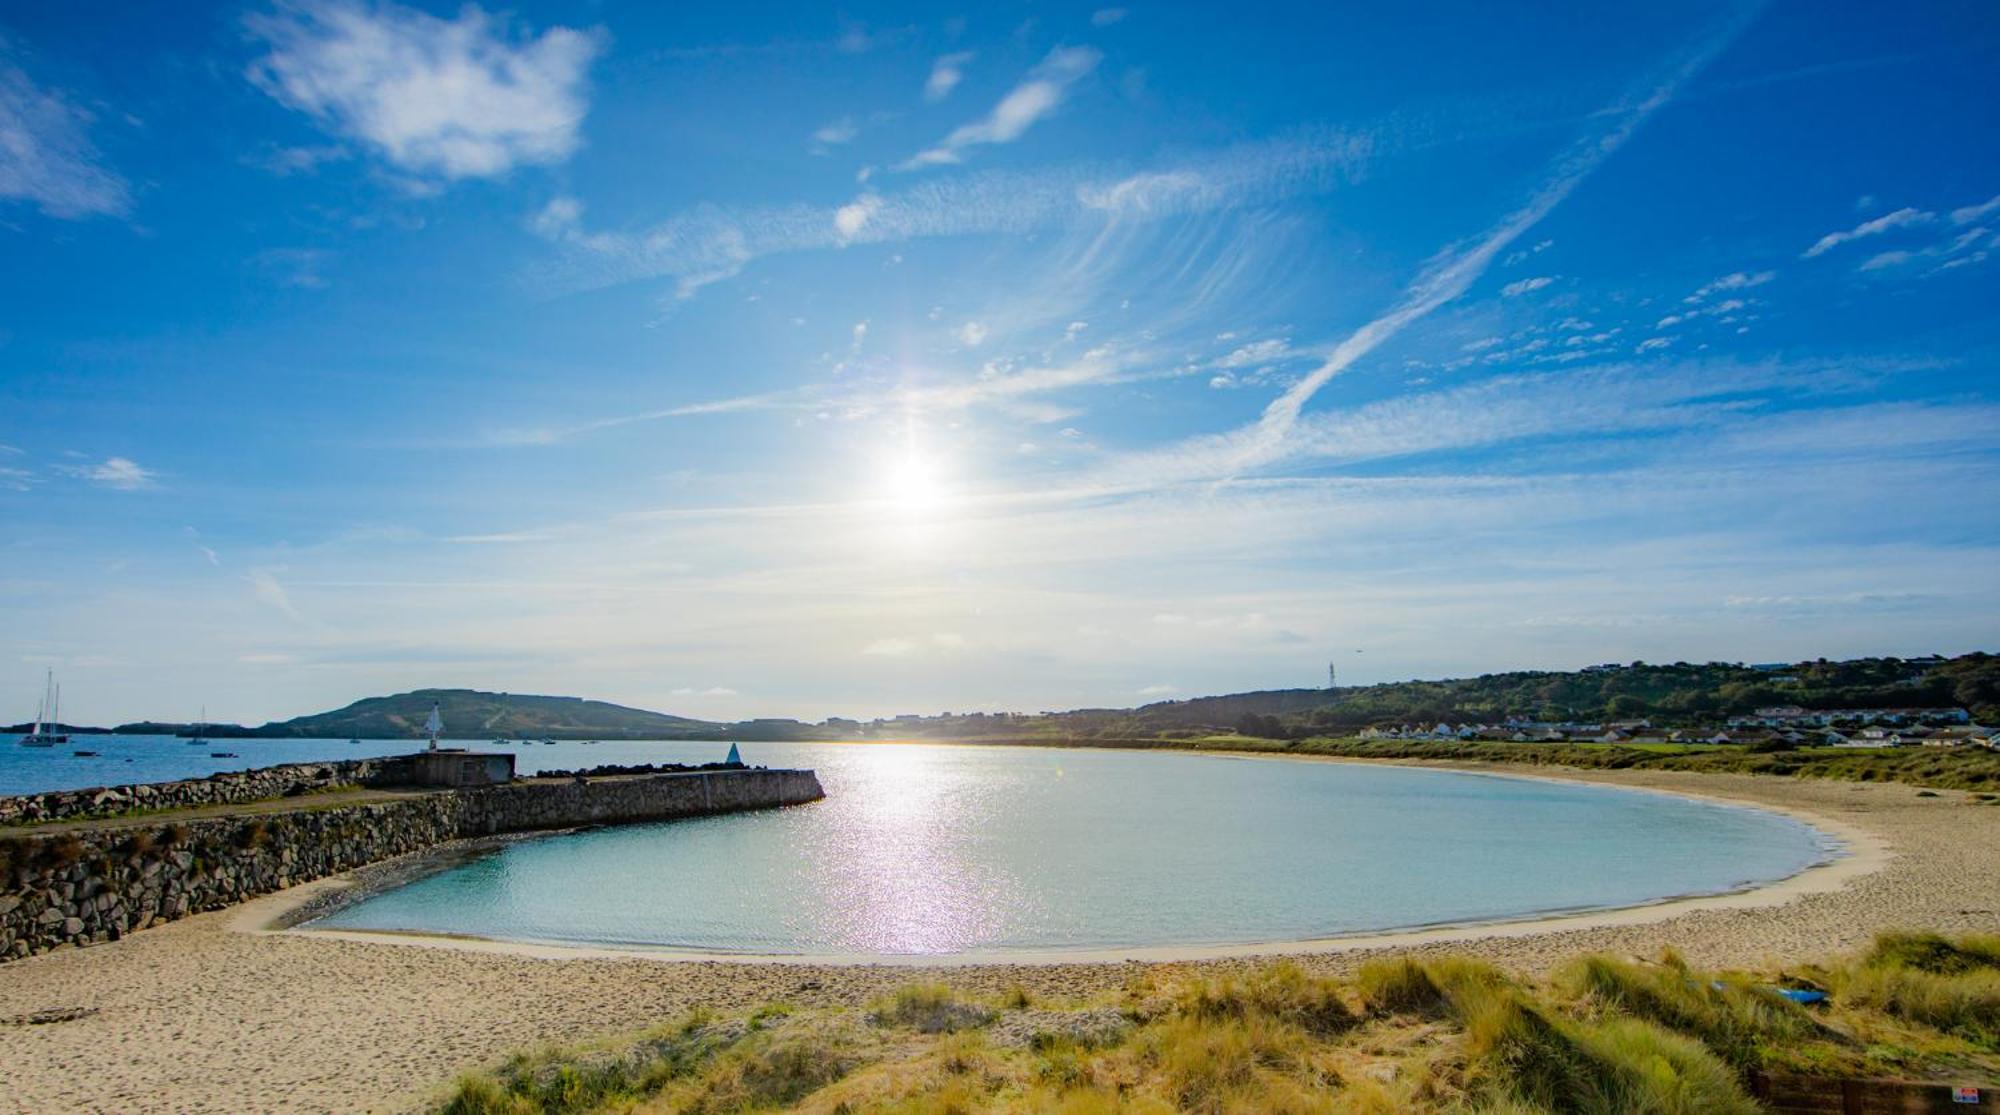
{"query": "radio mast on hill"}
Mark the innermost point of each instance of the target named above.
(1330, 682)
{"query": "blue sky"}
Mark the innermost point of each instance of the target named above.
(759, 360)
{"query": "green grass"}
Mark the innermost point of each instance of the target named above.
(1948, 985)
(1963, 768)
(1606, 1036)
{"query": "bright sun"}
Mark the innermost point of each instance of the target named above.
(913, 483)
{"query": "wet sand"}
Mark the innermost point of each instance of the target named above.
(217, 1014)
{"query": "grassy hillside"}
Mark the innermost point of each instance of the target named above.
(1680, 693)
(1404, 1035)
(471, 714)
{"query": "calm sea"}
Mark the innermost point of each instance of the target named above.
(934, 849)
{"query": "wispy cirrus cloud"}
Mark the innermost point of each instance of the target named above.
(1957, 239)
(1040, 94)
(1225, 456)
(46, 156)
(709, 242)
(1735, 280)
(1901, 218)
(468, 97)
(946, 73)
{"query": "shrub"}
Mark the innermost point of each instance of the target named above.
(1966, 1003)
(1657, 1071)
(1280, 991)
(929, 1008)
(1931, 952)
(1734, 1020)
(1201, 1061)
(1398, 985)
(480, 1095)
(1618, 1067)
(774, 1069)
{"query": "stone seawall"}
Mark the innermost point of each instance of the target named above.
(227, 788)
(100, 883)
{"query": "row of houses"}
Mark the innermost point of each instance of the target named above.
(1643, 731)
(1793, 716)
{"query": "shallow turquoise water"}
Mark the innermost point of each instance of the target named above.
(922, 849)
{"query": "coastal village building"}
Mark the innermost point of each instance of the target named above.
(1789, 725)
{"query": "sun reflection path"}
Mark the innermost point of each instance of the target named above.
(901, 873)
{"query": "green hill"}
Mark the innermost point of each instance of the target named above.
(1678, 694)
(471, 714)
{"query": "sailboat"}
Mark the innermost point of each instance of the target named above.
(434, 726)
(196, 739)
(48, 717)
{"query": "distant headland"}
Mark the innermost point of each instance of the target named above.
(1680, 694)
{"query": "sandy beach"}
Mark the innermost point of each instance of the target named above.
(217, 1014)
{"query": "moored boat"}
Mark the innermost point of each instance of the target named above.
(48, 717)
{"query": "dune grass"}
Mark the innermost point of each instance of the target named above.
(1447, 1035)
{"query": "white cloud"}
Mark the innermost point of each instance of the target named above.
(710, 242)
(194, 538)
(1901, 218)
(1523, 286)
(1965, 215)
(114, 472)
(835, 133)
(1040, 94)
(461, 98)
(1159, 690)
(287, 161)
(972, 334)
(1105, 17)
(1145, 192)
(1258, 352)
(946, 73)
(710, 691)
(556, 219)
(46, 157)
(1736, 280)
(851, 219)
(293, 267)
(265, 586)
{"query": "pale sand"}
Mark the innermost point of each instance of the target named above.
(213, 1014)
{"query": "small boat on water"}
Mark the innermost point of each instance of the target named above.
(502, 741)
(354, 741)
(48, 717)
(84, 754)
(222, 754)
(549, 742)
(200, 728)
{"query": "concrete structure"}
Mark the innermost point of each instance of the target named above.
(458, 768)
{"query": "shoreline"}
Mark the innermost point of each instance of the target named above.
(216, 1013)
(1856, 852)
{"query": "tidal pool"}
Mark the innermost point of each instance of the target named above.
(937, 849)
